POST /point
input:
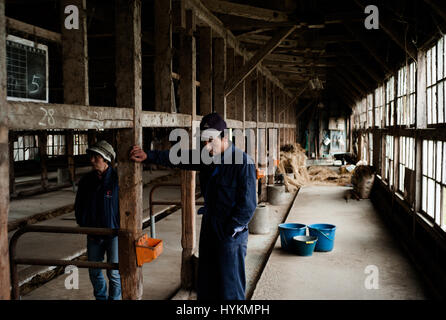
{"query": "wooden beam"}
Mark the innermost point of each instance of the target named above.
(188, 102)
(234, 124)
(165, 120)
(5, 282)
(205, 34)
(263, 40)
(206, 16)
(257, 58)
(129, 93)
(219, 76)
(40, 116)
(164, 100)
(245, 11)
(33, 30)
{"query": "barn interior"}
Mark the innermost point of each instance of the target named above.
(333, 81)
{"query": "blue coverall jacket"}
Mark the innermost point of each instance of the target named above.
(229, 191)
(97, 200)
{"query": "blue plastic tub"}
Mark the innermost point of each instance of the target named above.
(325, 234)
(304, 245)
(288, 231)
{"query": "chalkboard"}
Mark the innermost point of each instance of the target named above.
(27, 70)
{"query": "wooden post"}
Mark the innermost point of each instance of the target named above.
(69, 142)
(420, 123)
(43, 140)
(219, 76)
(11, 163)
(5, 282)
(188, 105)
(75, 69)
(128, 93)
(163, 56)
(262, 136)
(239, 107)
(205, 70)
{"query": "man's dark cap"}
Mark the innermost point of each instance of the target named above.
(213, 121)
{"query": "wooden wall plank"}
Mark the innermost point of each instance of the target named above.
(219, 76)
(163, 56)
(230, 99)
(206, 70)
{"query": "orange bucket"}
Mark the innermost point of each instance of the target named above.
(260, 173)
(147, 249)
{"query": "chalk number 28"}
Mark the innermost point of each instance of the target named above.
(48, 117)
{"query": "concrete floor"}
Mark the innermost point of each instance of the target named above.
(361, 240)
(21, 209)
(161, 277)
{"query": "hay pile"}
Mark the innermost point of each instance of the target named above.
(293, 160)
(325, 176)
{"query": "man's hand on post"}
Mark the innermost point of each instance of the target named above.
(137, 154)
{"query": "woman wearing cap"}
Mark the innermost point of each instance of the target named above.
(97, 206)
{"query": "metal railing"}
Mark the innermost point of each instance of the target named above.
(15, 293)
(162, 202)
(14, 261)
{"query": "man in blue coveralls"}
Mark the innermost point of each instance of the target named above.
(228, 185)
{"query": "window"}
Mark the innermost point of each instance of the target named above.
(401, 101)
(436, 83)
(363, 113)
(365, 149)
(55, 145)
(80, 143)
(370, 149)
(388, 161)
(26, 148)
(379, 105)
(370, 106)
(434, 181)
(390, 97)
(406, 159)
(406, 95)
(410, 120)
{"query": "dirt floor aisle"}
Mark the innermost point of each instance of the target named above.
(361, 240)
